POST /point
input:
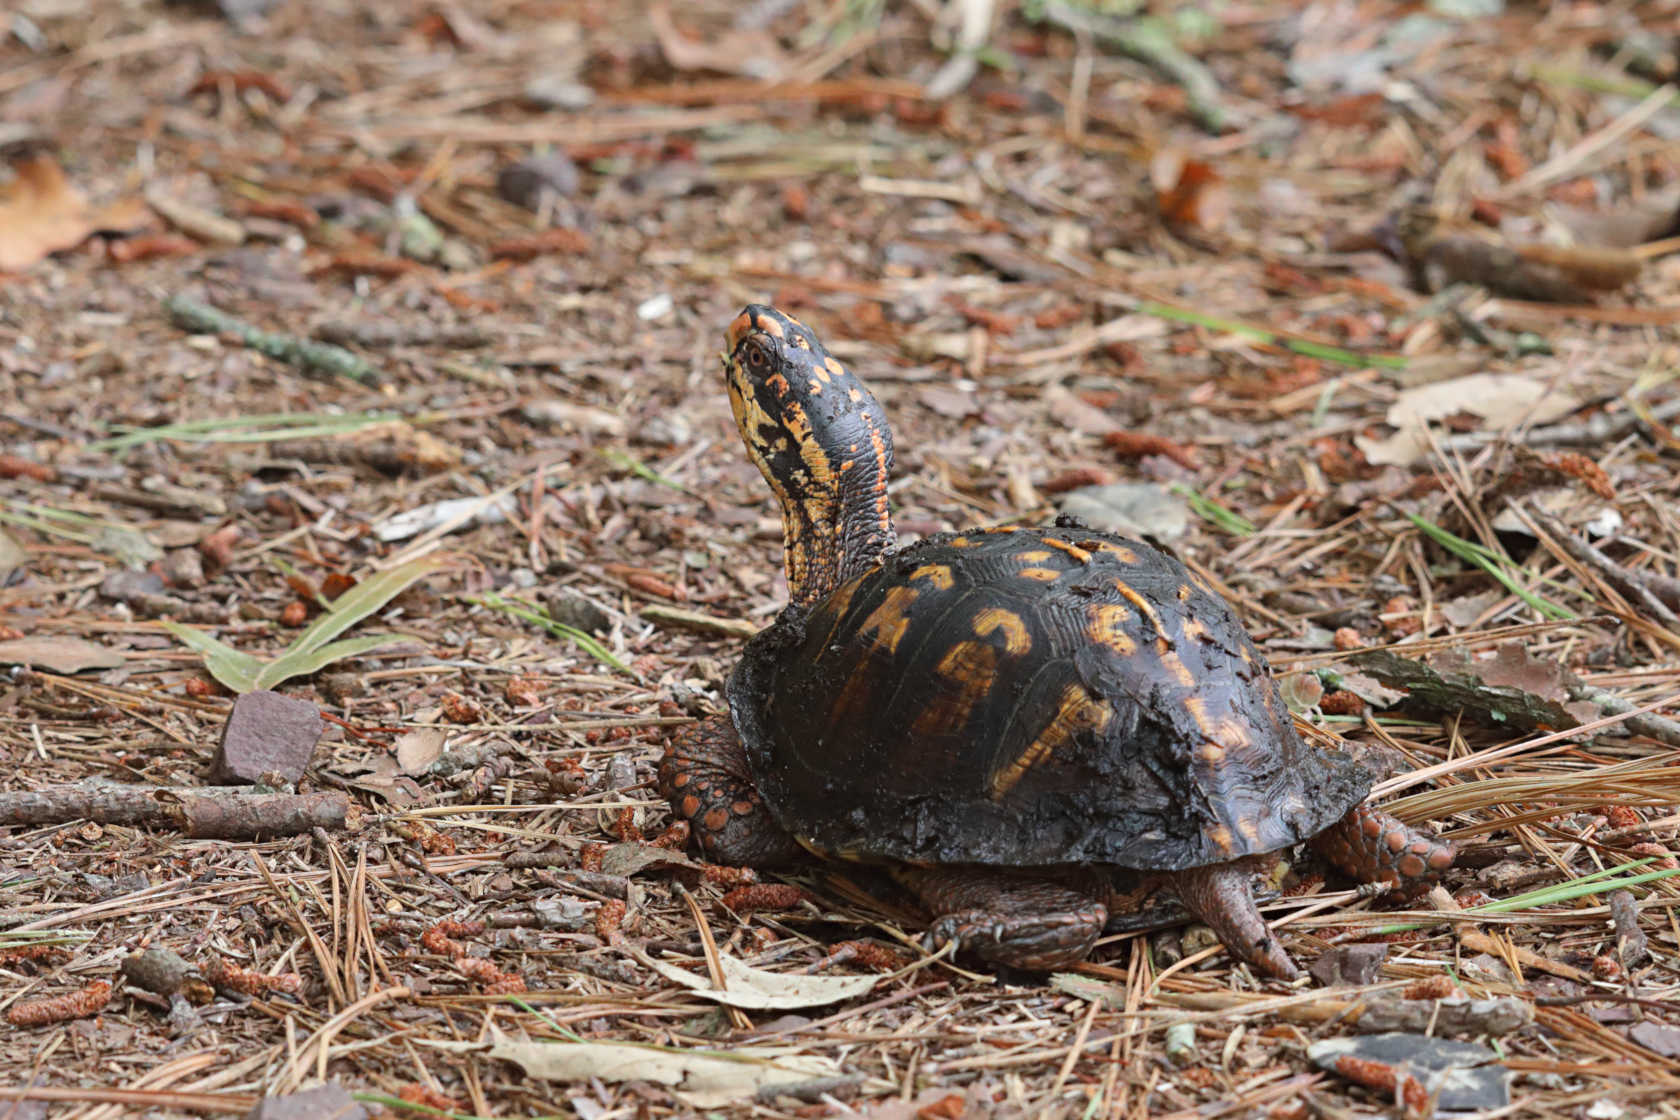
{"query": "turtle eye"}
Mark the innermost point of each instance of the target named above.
(757, 357)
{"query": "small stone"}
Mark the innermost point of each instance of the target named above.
(530, 181)
(655, 307)
(331, 1100)
(184, 567)
(558, 93)
(1465, 1075)
(266, 734)
(1349, 965)
(578, 613)
(621, 772)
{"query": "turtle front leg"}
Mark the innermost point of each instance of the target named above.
(1222, 896)
(1021, 923)
(704, 776)
(1374, 847)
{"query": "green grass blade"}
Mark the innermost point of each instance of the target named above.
(364, 599)
(236, 671)
(1296, 345)
(301, 663)
(246, 429)
(1213, 512)
(1491, 562)
(585, 642)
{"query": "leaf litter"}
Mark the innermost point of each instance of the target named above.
(1118, 249)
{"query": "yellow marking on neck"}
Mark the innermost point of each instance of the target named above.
(1016, 640)
(1076, 711)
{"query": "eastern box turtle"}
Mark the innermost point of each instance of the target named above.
(1004, 713)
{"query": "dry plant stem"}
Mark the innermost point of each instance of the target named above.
(225, 814)
(1623, 580)
(1148, 42)
(1601, 429)
(1651, 726)
(1632, 947)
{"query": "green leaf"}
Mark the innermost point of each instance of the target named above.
(364, 599)
(300, 663)
(236, 671)
(314, 648)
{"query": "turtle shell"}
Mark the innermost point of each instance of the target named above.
(1030, 697)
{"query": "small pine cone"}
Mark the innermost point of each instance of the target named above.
(1606, 967)
(1439, 986)
(764, 896)
(1341, 703)
(590, 856)
(675, 837)
(726, 877)
(1347, 638)
(440, 937)
(421, 1095)
(608, 918)
(60, 1009)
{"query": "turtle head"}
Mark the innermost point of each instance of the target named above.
(821, 441)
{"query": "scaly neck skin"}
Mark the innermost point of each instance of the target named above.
(829, 538)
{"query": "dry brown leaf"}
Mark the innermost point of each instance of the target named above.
(759, 990)
(42, 213)
(419, 747)
(751, 53)
(702, 1079)
(1502, 400)
(1189, 192)
(59, 654)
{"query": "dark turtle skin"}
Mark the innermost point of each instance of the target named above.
(1006, 714)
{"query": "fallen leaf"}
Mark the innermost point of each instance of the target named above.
(751, 53)
(1189, 192)
(59, 655)
(703, 1079)
(419, 747)
(1501, 400)
(41, 213)
(758, 990)
(630, 857)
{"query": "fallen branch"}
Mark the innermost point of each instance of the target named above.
(1601, 429)
(319, 357)
(1618, 577)
(208, 813)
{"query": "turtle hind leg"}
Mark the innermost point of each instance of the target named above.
(1374, 847)
(1221, 895)
(705, 778)
(1028, 924)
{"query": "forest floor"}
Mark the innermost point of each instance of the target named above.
(339, 320)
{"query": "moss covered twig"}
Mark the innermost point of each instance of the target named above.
(316, 357)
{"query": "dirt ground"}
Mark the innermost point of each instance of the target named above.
(1365, 309)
